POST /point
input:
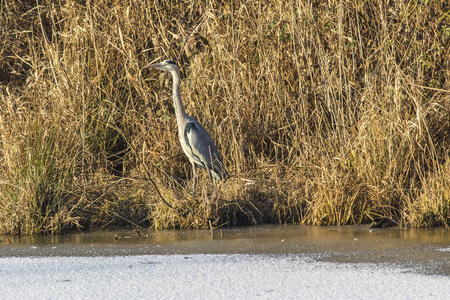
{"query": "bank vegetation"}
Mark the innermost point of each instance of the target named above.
(326, 112)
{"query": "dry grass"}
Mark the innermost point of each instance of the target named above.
(325, 112)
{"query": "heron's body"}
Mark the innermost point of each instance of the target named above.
(194, 139)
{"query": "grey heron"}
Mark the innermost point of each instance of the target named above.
(195, 140)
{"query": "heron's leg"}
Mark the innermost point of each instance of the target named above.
(194, 174)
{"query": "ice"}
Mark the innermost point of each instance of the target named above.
(211, 276)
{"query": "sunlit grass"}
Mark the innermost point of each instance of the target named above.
(325, 113)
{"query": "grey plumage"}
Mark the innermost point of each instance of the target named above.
(194, 139)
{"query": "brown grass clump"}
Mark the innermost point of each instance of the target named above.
(325, 112)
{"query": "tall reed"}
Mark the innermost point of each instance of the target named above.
(325, 112)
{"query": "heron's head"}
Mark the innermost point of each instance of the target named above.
(167, 65)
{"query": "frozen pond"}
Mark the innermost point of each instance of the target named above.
(264, 262)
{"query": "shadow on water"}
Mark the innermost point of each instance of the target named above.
(425, 250)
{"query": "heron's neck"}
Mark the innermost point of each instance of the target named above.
(179, 109)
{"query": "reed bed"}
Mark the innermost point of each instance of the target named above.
(326, 112)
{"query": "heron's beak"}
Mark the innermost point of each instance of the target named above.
(156, 66)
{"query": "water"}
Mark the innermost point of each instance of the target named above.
(425, 251)
(263, 262)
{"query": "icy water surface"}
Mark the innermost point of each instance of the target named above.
(422, 250)
(264, 262)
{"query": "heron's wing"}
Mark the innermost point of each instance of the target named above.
(202, 149)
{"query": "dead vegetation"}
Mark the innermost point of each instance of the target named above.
(325, 112)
